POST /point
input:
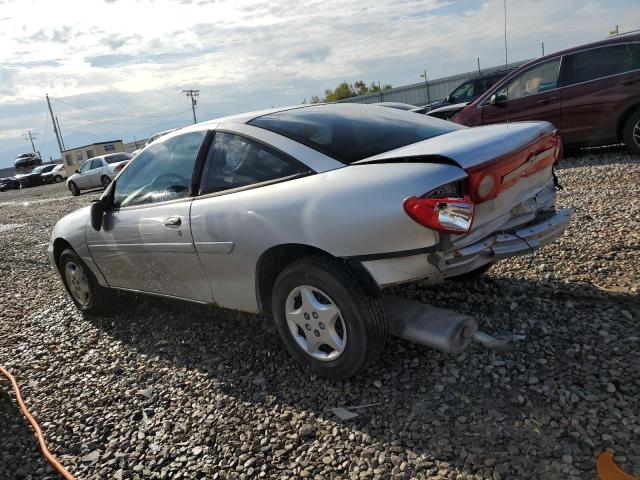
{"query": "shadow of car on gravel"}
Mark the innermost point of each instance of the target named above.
(427, 399)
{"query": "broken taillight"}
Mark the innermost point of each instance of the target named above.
(446, 215)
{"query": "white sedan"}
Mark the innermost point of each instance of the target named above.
(309, 214)
(97, 172)
(57, 175)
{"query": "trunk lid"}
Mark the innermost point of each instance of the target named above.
(518, 157)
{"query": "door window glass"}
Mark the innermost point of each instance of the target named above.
(234, 161)
(462, 94)
(602, 62)
(86, 166)
(162, 172)
(537, 79)
(96, 163)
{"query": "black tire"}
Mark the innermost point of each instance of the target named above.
(631, 133)
(100, 300)
(105, 181)
(472, 275)
(73, 188)
(57, 179)
(362, 316)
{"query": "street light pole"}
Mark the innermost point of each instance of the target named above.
(426, 85)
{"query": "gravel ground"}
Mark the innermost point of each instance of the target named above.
(171, 390)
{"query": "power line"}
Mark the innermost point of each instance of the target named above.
(64, 114)
(194, 94)
(116, 114)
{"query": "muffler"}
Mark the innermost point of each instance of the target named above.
(444, 330)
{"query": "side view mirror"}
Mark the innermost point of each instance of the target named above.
(77, 171)
(97, 214)
(498, 98)
(447, 99)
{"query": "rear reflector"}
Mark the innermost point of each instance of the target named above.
(446, 215)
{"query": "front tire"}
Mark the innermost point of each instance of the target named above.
(325, 320)
(58, 179)
(105, 181)
(631, 133)
(73, 188)
(87, 294)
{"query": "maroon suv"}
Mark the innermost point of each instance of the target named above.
(590, 93)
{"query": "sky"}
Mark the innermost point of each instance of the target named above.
(116, 68)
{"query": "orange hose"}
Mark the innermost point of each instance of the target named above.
(609, 470)
(43, 444)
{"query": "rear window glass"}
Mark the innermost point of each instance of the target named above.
(118, 157)
(352, 132)
(602, 62)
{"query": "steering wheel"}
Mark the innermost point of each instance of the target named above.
(171, 179)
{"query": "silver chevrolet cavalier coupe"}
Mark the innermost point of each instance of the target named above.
(308, 214)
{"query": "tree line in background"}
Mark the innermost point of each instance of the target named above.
(347, 90)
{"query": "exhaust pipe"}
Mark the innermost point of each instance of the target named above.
(444, 330)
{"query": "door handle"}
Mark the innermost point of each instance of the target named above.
(172, 221)
(544, 101)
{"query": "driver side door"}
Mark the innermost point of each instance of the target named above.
(83, 180)
(145, 243)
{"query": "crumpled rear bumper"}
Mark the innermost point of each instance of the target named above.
(504, 244)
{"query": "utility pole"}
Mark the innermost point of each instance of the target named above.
(55, 128)
(193, 94)
(60, 132)
(426, 84)
(31, 135)
(478, 65)
(543, 49)
(506, 62)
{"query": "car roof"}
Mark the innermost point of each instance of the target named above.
(612, 40)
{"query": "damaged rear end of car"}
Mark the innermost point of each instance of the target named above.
(504, 206)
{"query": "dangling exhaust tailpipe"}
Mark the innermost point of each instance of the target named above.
(444, 330)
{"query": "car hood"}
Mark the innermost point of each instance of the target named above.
(448, 108)
(469, 147)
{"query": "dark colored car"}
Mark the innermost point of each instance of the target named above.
(34, 178)
(27, 160)
(590, 93)
(463, 94)
(8, 183)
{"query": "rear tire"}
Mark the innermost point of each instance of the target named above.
(336, 311)
(73, 188)
(105, 181)
(631, 133)
(87, 294)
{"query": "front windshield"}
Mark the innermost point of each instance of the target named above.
(38, 169)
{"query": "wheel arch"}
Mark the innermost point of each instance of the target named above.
(623, 119)
(59, 246)
(275, 259)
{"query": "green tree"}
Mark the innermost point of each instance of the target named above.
(347, 90)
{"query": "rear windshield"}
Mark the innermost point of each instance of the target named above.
(118, 157)
(352, 132)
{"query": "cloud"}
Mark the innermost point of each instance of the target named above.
(136, 56)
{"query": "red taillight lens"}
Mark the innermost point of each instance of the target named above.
(119, 167)
(447, 215)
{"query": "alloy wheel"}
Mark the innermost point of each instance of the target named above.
(77, 283)
(315, 322)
